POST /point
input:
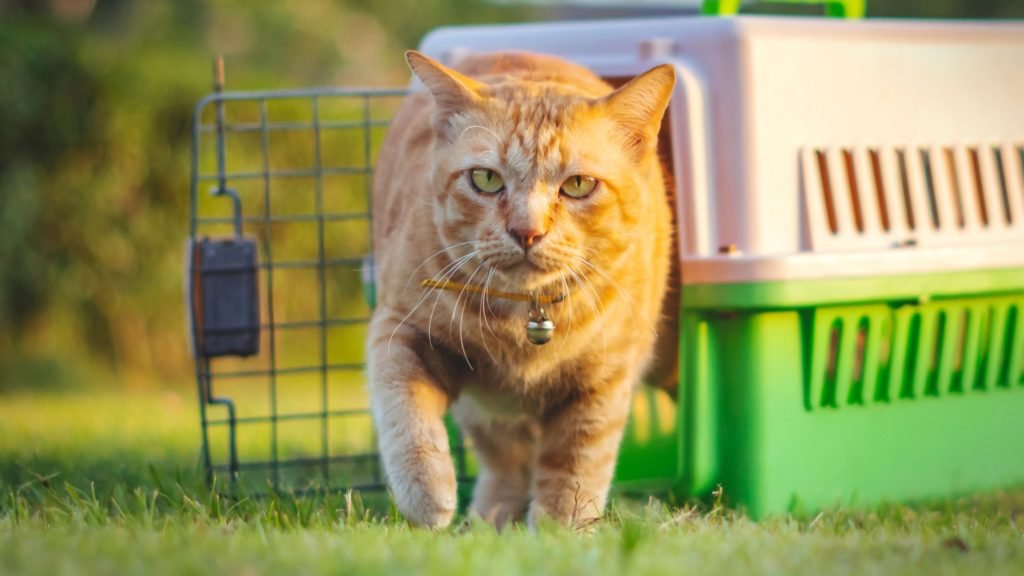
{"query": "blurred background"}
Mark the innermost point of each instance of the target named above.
(95, 132)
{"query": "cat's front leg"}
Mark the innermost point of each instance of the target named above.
(576, 459)
(505, 447)
(408, 405)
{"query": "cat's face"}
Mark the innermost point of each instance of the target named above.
(542, 180)
(537, 183)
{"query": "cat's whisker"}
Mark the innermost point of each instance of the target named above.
(585, 286)
(487, 286)
(445, 275)
(478, 127)
(487, 302)
(422, 298)
(426, 291)
(430, 322)
(466, 284)
(435, 255)
(462, 316)
(483, 315)
(595, 302)
(424, 294)
(568, 303)
(618, 287)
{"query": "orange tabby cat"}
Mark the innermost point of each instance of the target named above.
(519, 174)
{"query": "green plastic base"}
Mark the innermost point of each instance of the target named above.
(793, 404)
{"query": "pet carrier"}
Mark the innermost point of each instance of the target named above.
(850, 204)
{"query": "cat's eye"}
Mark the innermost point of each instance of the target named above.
(486, 181)
(578, 186)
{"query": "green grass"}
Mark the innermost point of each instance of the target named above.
(108, 482)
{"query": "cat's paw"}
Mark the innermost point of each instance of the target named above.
(580, 514)
(500, 499)
(425, 494)
(426, 508)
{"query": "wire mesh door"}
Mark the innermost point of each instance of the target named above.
(289, 410)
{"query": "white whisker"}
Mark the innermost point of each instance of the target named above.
(625, 295)
(434, 255)
(483, 315)
(595, 301)
(424, 294)
(478, 127)
(568, 303)
(487, 301)
(430, 322)
(462, 316)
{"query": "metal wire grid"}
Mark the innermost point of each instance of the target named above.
(355, 466)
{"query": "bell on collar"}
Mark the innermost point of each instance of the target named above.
(540, 331)
(539, 328)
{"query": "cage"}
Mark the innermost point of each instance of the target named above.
(275, 296)
(850, 204)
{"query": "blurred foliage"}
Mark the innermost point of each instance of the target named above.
(95, 110)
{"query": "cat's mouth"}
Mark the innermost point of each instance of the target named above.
(533, 271)
(528, 276)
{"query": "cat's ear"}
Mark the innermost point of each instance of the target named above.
(452, 91)
(639, 105)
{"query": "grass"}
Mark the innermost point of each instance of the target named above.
(108, 483)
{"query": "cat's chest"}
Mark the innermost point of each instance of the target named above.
(505, 393)
(513, 382)
(495, 401)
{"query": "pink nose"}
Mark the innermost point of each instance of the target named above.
(526, 238)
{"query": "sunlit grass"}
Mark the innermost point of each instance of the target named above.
(108, 482)
(99, 436)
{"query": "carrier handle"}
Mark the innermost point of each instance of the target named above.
(833, 8)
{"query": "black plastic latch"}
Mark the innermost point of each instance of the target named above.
(224, 293)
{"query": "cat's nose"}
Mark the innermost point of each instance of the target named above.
(526, 237)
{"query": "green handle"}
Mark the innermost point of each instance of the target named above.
(833, 8)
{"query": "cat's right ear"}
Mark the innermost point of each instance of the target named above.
(639, 105)
(452, 91)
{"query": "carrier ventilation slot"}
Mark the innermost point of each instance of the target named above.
(878, 355)
(889, 196)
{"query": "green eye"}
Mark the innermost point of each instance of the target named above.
(486, 181)
(578, 186)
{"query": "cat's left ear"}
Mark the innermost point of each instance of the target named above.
(639, 105)
(452, 91)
